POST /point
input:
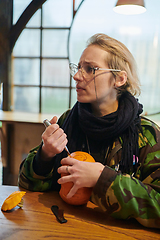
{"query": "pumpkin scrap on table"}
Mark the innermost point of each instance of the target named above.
(14, 199)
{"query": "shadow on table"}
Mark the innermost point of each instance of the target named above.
(92, 213)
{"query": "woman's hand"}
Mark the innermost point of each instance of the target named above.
(54, 140)
(82, 174)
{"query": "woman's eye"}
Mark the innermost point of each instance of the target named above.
(78, 67)
(89, 69)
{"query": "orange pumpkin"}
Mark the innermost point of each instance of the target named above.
(82, 195)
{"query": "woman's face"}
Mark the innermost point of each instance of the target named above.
(99, 89)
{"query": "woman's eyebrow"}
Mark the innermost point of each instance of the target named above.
(87, 62)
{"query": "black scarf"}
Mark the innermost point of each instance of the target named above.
(124, 123)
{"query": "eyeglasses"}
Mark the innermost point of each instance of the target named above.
(87, 70)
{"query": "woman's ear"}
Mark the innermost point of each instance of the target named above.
(121, 79)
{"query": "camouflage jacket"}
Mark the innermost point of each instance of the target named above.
(135, 195)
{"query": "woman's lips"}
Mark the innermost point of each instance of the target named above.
(78, 88)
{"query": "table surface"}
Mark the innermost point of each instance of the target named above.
(11, 116)
(36, 221)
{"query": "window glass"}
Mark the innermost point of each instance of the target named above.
(140, 33)
(35, 20)
(73, 83)
(73, 97)
(1, 95)
(54, 100)
(77, 3)
(28, 43)
(26, 71)
(26, 99)
(57, 13)
(55, 72)
(18, 8)
(54, 43)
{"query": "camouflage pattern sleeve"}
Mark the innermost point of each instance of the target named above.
(28, 179)
(124, 196)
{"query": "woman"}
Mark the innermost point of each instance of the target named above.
(106, 123)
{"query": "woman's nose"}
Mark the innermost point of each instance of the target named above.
(78, 76)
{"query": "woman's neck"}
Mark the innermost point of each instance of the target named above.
(103, 109)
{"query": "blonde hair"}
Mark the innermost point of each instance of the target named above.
(119, 57)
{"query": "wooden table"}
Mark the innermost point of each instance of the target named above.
(19, 134)
(36, 221)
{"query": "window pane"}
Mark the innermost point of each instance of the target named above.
(1, 96)
(73, 97)
(54, 43)
(18, 8)
(26, 99)
(73, 82)
(55, 72)
(57, 13)
(28, 43)
(140, 33)
(26, 71)
(54, 100)
(35, 20)
(77, 3)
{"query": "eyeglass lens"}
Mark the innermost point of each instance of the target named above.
(86, 70)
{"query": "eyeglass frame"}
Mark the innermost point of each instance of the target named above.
(94, 69)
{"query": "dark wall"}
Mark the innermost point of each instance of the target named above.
(6, 8)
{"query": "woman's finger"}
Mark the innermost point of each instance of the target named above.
(72, 192)
(69, 161)
(64, 169)
(54, 120)
(65, 179)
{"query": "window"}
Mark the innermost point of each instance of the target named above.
(140, 33)
(41, 81)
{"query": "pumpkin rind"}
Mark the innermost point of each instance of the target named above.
(12, 200)
(82, 195)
